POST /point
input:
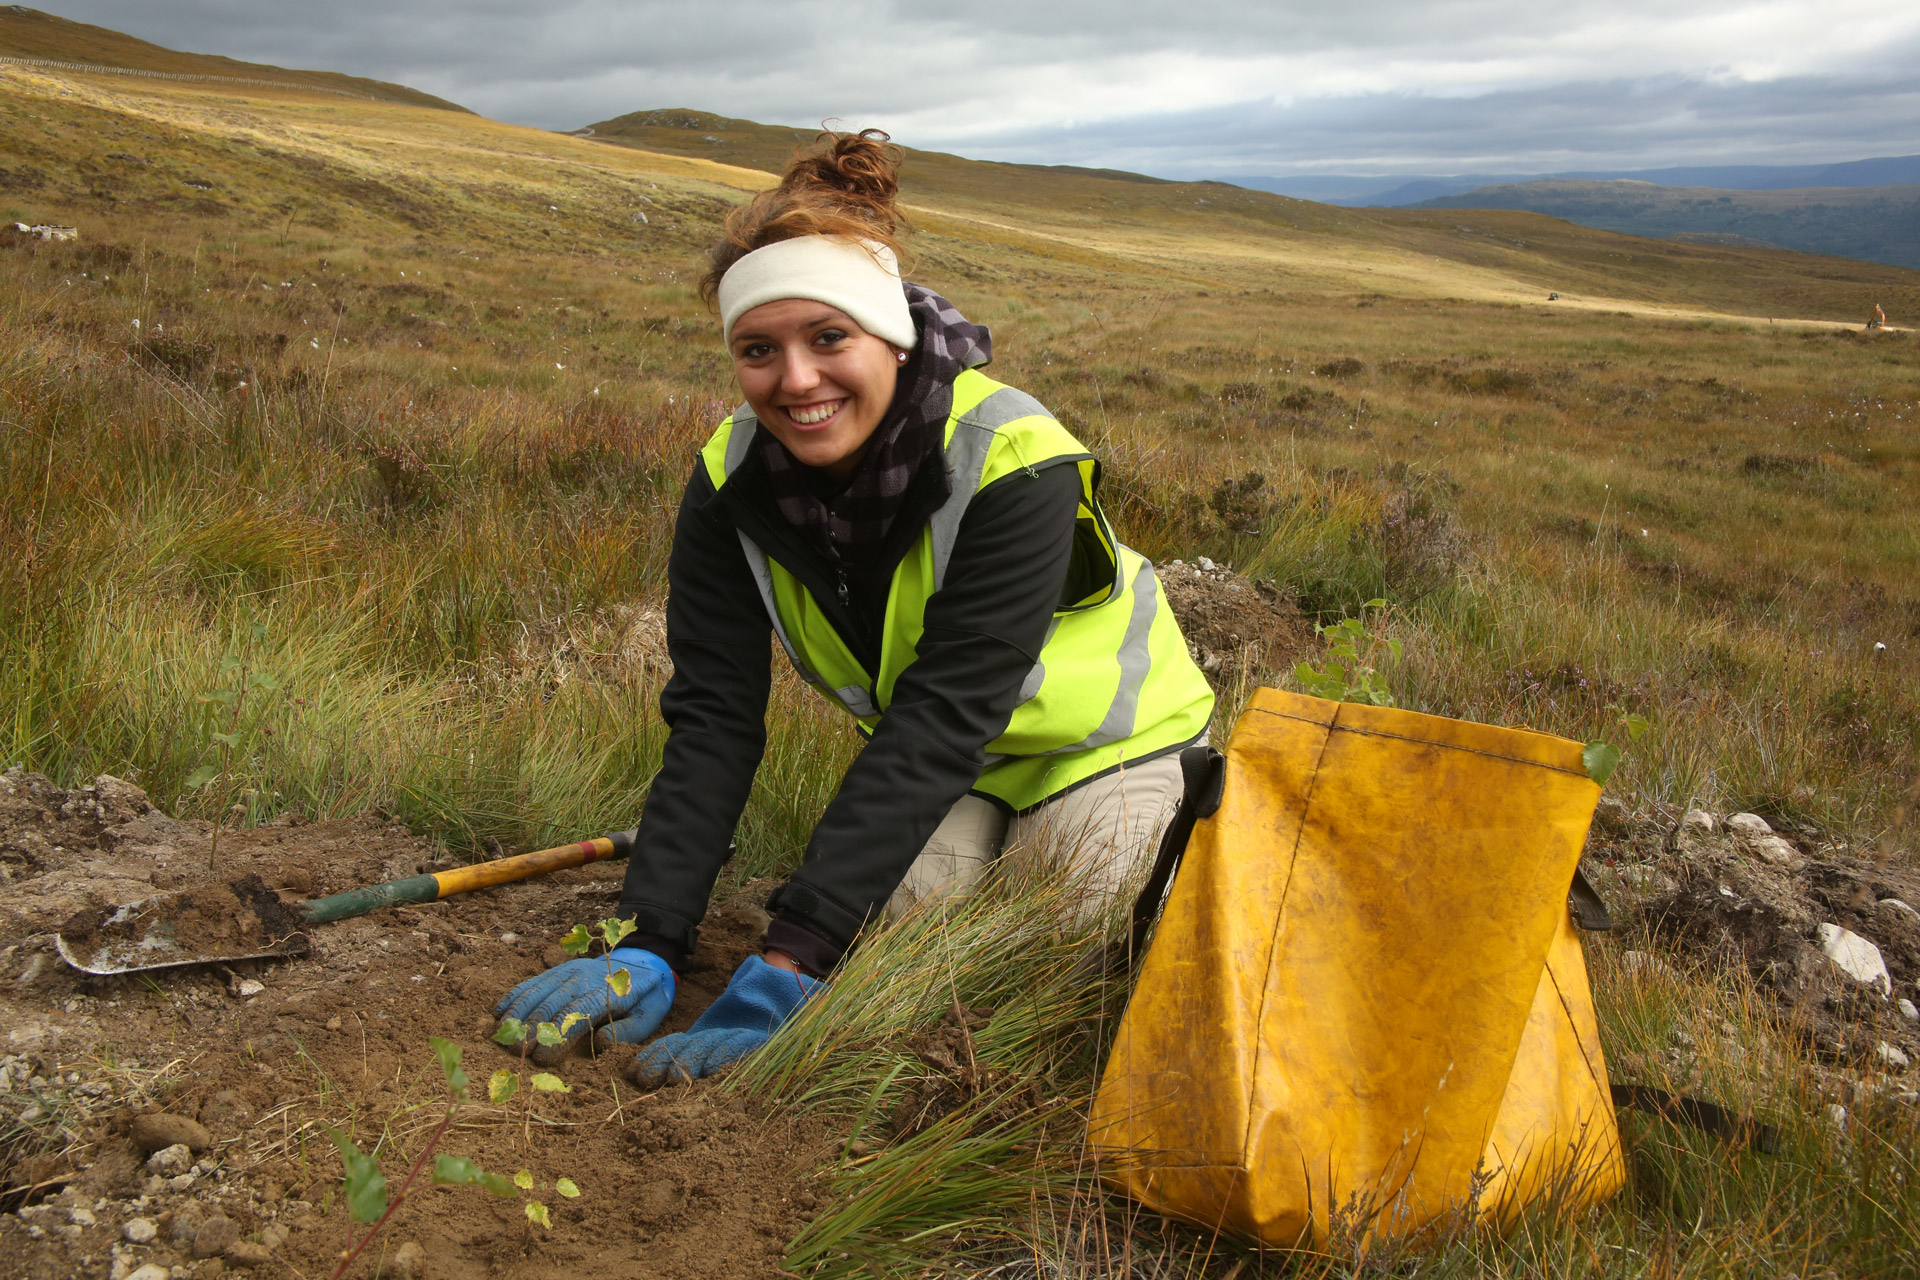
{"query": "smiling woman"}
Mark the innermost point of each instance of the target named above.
(929, 549)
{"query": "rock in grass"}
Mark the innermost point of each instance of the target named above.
(1697, 821)
(215, 1236)
(1892, 1056)
(140, 1230)
(159, 1131)
(150, 1271)
(1898, 907)
(1908, 1010)
(1774, 850)
(1748, 826)
(1854, 956)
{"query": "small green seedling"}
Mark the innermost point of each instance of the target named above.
(504, 1084)
(535, 1210)
(1601, 758)
(1350, 672)
(579, 940)
(369, 1200)
(244, 676)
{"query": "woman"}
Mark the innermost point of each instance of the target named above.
(927, 547)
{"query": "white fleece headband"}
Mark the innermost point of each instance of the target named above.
(861, 278)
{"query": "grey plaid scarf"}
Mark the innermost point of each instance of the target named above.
(850, 525)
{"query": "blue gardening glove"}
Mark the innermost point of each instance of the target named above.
(580, 986)
(758, 998)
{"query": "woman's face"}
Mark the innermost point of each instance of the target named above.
(815, 379)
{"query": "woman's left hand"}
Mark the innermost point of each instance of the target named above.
(758, 998)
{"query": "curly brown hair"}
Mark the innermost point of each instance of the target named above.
(843, 184)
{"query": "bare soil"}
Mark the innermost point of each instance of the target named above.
(1727, 897)
(680, 1183)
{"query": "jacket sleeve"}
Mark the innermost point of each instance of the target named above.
(984, 630)
(715, 708)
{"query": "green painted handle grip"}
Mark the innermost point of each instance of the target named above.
(358, 902)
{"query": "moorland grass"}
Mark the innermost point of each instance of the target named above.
(433, 452)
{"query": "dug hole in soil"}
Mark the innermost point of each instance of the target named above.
(247, 1063)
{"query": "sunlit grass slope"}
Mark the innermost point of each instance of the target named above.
(416, 393)
(29, 33)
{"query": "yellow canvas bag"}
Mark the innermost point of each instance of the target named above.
(1365, 1011)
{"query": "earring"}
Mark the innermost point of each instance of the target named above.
(901, 356)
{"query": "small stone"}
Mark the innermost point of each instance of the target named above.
(215, 1236)
(149, 1271)
(1854, 956)
(1774, 850)
(1697, 820)
(409, 1262)
(1892, 1056)
(1645, 964)
(1750, 826)
(183, 1181)
(1837, 1114)
(248, 988)
(1899, 907)
(140, 1230)
(34, 1114)
(82, 1217)
(155, 1132)
(247, 1255)
(186, 1223)
(509, 937)
(1908, 1009)
(167, 1161)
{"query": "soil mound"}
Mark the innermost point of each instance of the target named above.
(1733, 888)
(1234, 625)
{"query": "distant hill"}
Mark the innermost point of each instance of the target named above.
(1877, 224)
(29, 34)
(1357, 190)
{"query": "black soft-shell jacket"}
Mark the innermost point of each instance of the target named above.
(984, 631)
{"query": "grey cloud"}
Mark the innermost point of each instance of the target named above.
(1001, 78)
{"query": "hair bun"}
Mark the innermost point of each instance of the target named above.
(843, 185)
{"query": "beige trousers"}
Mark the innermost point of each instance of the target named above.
(1104, 834)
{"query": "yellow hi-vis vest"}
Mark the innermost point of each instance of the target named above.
(1114, 682)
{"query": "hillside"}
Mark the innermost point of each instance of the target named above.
(1193, 228)
(1876, 224)
(31, 34)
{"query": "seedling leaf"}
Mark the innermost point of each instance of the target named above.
(547, 1082)
(549, 1035)
(449, 1054)
(614, 930)
(537, 1212)
(566, 1187)
(450, 1171)
(621, 981)
(524, 1179)
(1601, 759)
(512, 1031)
(502, 1086)
(576, 941)
(366, 1186)
(566, 1023)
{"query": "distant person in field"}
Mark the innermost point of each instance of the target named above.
(928, 548)
(1879, 318)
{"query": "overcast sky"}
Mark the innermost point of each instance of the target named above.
(1178, 88)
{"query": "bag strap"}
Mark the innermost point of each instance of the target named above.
(1203, 776)
(1696, 1113)
(1589, 912)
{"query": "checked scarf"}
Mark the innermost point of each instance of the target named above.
(849, 526)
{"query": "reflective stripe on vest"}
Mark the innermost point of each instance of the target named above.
(1114, 651)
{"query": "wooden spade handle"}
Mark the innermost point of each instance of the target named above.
(481, 875)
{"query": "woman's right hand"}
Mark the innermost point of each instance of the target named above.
(581, 986)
